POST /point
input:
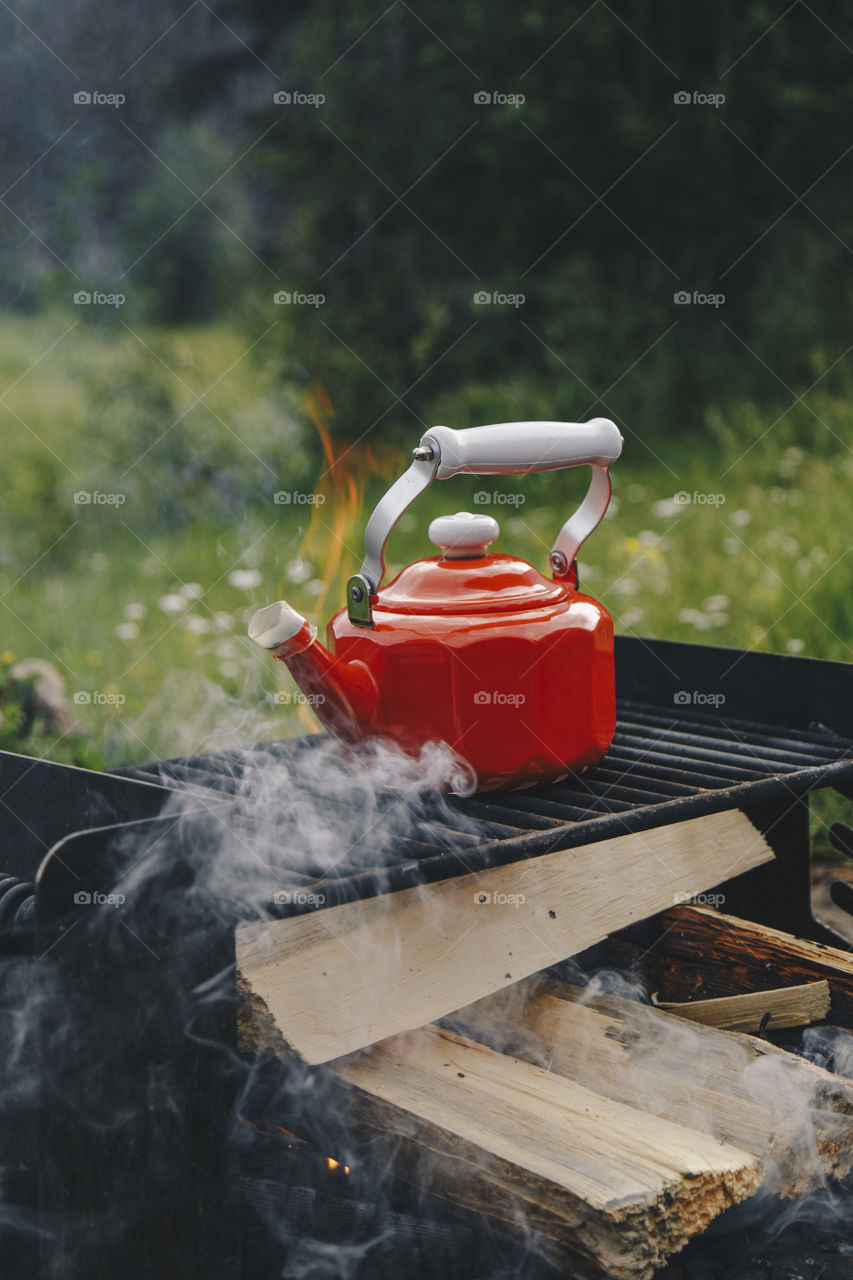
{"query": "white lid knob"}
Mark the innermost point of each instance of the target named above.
(464, 535)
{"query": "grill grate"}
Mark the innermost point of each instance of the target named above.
(660, 759)
(781, 727)
(656, 759)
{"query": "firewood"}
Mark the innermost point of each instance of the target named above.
(795, 1117)
(342, 978)
(697, 953)
(756, 1011)
(597, 1187)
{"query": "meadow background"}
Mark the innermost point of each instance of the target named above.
(629, 156)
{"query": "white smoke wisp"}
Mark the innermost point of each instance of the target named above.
(286, 819)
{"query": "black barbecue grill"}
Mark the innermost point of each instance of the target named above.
(699, 730)
(781, 728)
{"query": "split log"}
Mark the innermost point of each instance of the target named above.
(342, 978)
(599, 1188)
(697, 953)
(795, 1117)
(757, 1011)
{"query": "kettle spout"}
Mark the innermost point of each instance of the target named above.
(343, 695)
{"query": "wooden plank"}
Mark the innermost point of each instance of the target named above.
(697, 953)
(599, 1188)
(339, 979)
(795, 1117)
(756, 1011)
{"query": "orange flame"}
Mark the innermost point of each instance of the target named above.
(341, 484)
(334, 1165)
(334, 538)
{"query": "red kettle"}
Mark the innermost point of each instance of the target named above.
(512, 670)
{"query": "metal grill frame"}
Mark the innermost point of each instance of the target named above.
(800, 711)
(784, 728)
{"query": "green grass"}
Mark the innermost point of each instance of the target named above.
(88, 587)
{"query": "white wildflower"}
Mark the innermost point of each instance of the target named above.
(244, 579)
(172, 603)
(193, 623)
(666, 508)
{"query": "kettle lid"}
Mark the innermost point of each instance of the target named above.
(464, 578)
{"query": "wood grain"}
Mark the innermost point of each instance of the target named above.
(795, 1117)
(340, 979)
(755, 1011)
(598, 1187)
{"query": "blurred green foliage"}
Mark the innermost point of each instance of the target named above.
(400, 197)
(151, 597)
(597, 199)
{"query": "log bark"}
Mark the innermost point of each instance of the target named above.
(691, 953)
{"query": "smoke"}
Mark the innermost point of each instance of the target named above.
(130, 1116)
(829, 1047)
(121, 1089)
(304, 811)
(744, 1091)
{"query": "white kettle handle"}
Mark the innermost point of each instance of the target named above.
(503, 448)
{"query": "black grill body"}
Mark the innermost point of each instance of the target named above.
(780, 727)
(136, 1127)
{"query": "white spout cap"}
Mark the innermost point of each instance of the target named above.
(276, 624)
